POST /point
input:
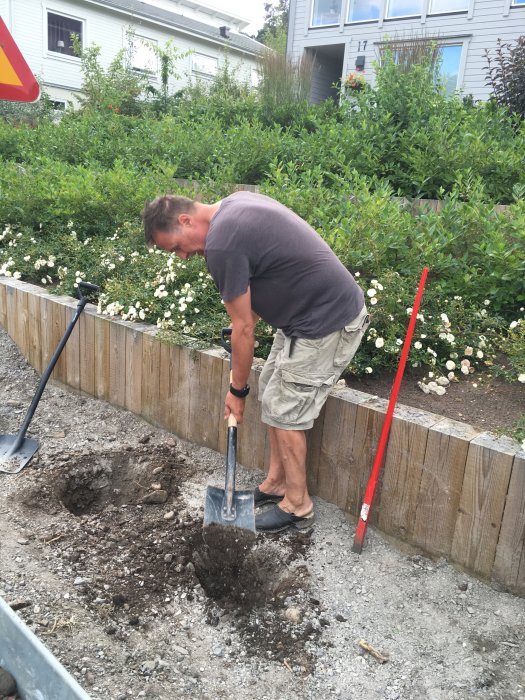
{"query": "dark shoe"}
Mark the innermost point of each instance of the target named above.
(260, 497)
(276, 519)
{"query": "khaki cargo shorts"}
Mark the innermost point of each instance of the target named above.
(299, 374)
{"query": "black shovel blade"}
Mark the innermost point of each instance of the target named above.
(13, 462)
(241, 516)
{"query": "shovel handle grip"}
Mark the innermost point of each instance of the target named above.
(232, 421)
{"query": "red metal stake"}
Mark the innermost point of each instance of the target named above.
(372, 482)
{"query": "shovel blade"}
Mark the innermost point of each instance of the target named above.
(13, 462)
(242, 514)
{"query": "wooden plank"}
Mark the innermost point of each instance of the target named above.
(22, 320)
(11, 316)
(334, 460)
(180, 387)
(205, 410)
(403, 470)
(72, 347)
(369, 421)
(166, 371)
(133, 393)
(34, 332)
(485, 486)
(117, 364)
(87, 350)
(58, 321)
(509, 563)
(253, 432)
(440, 488)
(150, 375)
(101, 343)
(3, 305)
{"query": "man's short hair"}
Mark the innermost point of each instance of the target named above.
(162, 213)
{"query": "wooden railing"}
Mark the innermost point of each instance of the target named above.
(446, 488)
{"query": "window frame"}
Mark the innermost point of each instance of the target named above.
(201, 73)
(389, 17)
(57, 54)
(361, 21)
(431, 13)
(330, 24)
(129, 44)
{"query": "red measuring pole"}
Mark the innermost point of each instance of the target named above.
(372, 482)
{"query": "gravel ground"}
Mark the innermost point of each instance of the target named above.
(102, 555)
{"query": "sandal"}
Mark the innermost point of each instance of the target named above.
(260, 497)
(276, 519)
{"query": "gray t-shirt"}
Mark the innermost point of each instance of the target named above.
(296, 281)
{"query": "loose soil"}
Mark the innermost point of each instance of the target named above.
(104, 557)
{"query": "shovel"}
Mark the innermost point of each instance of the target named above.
(229, 511)
(17, 450)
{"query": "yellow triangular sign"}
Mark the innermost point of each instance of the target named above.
(8, 75)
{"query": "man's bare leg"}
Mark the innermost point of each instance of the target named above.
(287, 471)
(275, 482)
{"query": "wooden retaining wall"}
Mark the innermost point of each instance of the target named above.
(445, 488)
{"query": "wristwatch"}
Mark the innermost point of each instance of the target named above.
(240, 393)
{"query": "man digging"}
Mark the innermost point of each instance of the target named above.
(269, 263)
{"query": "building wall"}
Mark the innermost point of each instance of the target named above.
(60, 75)
(476, 29)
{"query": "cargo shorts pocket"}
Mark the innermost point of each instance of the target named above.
(300, 397)
(350, 339)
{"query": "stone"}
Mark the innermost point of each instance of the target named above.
(159, 496)
(7, 683)
(293, 615)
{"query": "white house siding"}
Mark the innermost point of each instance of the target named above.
(106, 27)
(477, 29)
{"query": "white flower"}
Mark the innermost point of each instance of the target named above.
(464, 369)
(450, 338)
(431, 374)
(512, 325)
(357, 274)
(379, 342)
(479, 354)
(451, 376)
(450, 365)
(445, 320)
(521, 378)
(409, 310)
(468, 351)
(486, 302)
(373, 301)
(369, 370)
(443, 381)
(465, 363)
(371, 292)
(418, 345)
(399, 341)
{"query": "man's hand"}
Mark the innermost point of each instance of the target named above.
(233, 404)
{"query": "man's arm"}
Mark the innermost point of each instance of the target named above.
(243, 326)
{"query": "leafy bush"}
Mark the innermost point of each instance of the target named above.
(506, 75)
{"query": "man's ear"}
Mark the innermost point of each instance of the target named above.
(184, 219)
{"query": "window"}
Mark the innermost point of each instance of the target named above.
(143, 56)
(450, 56)
(207, 65)
(518, 2)
(404, 8)
(362, 10)
(447, 6)
(59, 31)
(255, 77)
(326, 12)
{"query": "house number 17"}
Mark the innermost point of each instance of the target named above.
(361, 46)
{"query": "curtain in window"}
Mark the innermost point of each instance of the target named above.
(59, 30)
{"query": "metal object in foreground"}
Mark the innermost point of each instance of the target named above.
(17, 450)
(38, 674)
